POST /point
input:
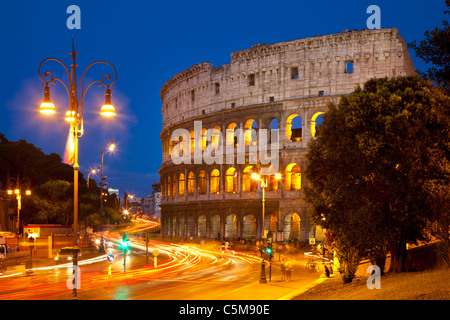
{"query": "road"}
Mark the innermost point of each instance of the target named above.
(183, 271)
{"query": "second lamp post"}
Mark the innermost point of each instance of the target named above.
(110, 146)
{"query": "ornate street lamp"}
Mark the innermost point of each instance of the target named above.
(17, 186)
(75, 115)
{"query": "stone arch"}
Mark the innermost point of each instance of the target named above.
(231, 139)
(248, 184)
(190, 232)
(274, 124)
(181, 226)
(249, 137)
(191, 183)
(169, 186)
(201, 225)
(271, 223)
(316, 121)
(215, 226)
(174, 232)
(294, 127)
(291, 230)
(292, 176)
(249, 227)
(214, 183)
(174, 185)
(201, 182)
(181, 184)
(231, 226)
(231, 180)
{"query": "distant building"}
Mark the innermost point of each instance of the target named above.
(151, 204)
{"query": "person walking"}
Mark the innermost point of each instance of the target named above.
(288, 267)
(283, 270)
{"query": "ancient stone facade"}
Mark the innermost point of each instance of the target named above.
(285, 85)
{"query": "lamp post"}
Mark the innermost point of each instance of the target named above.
(93, 171)
(264, 185)
(16, 186)
(110, 146)
(75, 117)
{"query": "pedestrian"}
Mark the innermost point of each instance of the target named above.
(327, 272)
(283, 270)
(288, 267)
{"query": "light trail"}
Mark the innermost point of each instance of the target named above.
(180, 264)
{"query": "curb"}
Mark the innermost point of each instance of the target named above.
(298, 292)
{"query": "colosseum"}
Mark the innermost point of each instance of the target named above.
(284, 88)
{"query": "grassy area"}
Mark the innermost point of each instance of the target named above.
(426, 285)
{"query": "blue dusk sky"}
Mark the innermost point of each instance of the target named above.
(148, 42)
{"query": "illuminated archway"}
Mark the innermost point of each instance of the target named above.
(214, 183)
(294, 128)
(293, 177)
(315, 120)
(181, 184)
(231, 180)
(248, 184)
(191, 183)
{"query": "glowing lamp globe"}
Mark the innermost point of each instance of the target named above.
(47, 107)
(108, 109)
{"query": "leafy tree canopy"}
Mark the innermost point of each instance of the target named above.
(372, 170)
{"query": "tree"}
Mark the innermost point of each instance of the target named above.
(53, 202)
(369, 169)
(435, 49)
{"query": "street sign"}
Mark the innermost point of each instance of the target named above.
(155, 252)
(110, 257)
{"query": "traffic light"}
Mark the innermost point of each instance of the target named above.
(124, 243)
(269, 250)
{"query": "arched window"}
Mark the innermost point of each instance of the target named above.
(181, 184)
(231, 139)
(191, 183)
(249, 125)
(231, 180)
(215, 140)
(215, 181)
(293, 177)
(294, 128)
(169, 187)
(248, 184)
(316, 123)
(174, 186)
(201, 182)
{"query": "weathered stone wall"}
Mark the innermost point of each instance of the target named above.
(320, 61)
